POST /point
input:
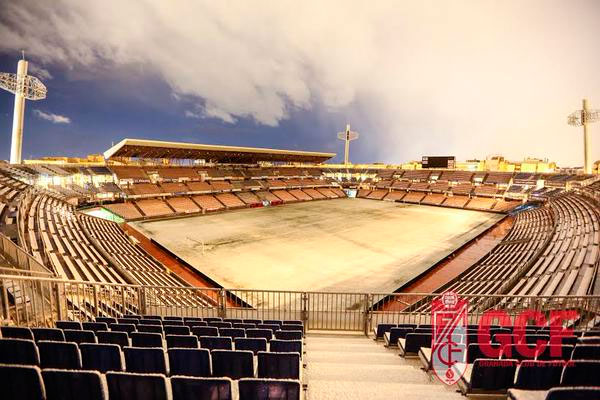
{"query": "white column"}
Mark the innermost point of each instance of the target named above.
(587, 146)
(18, 114)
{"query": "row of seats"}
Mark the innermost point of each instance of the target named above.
(216, 202)
(552, 364)
(456, 200)
(103, 357)
(30, 383)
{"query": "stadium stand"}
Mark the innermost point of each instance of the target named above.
(183, 205)
(208, 203)
(154, 208)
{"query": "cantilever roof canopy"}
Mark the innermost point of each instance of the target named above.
(222, 154)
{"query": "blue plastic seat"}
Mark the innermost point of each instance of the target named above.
(21, 382)
(63, 355)
(278, 365)
(18, 351)
(74, 385)
(101, 357)
(127, 386)
(189, 362)
(145, 360)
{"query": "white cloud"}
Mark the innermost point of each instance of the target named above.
(39, 72)
(192, 114)
(457, 77)
(54, 118)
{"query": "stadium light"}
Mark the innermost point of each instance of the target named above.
(584, 117)
(347, 136)
(24, 87)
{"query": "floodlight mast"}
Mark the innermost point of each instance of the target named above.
(584, 117)
(347, 136)
(25, 87)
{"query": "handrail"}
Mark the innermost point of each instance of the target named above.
(195, 288)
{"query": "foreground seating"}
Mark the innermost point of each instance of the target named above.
(20, 382)
(74, 385)
(488, 376)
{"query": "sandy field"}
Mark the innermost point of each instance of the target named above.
(348, 245)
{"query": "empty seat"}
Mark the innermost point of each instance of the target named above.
(150, 329)
(142, 339)
(16, 332)
(244, 325)
(538, 375)
(212, 319)
(215, 343)
(520, 351)
(554, 352)
(277, 322)
(189, 362)
(127, 386)
(273, 327)
(219, 324)
(286, 346)
(101, 357)
(79, 336)
(581, 373)
(119, 338)
(413, 342)
(292, 327)
(259, 333)
(488, 376)
(172, 318)
(267, 389)
(205, 331)
(232, 332)
(234, 364)
(182, 341)
(64, 355)
(149, 322)
(128, 328)
(252, 344)
(52, 334)
(288, 335)
(74, 385)
(586, 352)
(19, 351)
(252, 321)
(95, 326)
(391, 337)
(68, 325)
(279, 365)
(192, 324)
(107, 320)
(127, 321)
(145, 360)
(21, 382)
(186, 388)
(574, 393)
(176, 330)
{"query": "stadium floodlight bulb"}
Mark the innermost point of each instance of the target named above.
(347, 136)
(584, 117)
(24, 87)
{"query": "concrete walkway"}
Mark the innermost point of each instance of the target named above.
(348, 367)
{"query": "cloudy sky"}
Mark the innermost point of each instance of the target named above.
(464, 78)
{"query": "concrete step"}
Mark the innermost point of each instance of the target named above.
(349, 367)
(351, 390)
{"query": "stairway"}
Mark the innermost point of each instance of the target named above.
(351, 366)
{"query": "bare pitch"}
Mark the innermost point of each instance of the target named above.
(352, 245)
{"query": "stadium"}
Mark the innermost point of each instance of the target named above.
(172, 269)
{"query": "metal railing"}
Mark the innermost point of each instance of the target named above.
(36, 301)
(20, 259)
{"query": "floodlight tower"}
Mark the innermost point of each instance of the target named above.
(347, 136)
(24, 87)
(584, 117)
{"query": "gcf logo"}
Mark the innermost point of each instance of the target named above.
(449, 345)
